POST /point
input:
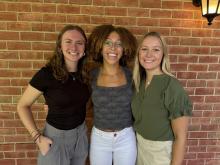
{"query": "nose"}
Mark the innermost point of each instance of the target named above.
(73, 46)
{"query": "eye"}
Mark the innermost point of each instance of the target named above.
(108, 43)
(118, 44)
(79, 42)
(156, 50)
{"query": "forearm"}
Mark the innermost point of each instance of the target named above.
(178, 151)
(27, 119)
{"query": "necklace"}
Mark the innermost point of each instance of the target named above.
(73, 76)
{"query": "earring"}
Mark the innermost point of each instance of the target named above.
(84, 54)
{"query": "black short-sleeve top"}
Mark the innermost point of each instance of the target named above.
(66, 100)
(154, 107)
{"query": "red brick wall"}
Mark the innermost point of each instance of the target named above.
(27, 35)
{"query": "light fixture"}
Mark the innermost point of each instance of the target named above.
(210, 8)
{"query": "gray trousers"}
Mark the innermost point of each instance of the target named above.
(70, 147)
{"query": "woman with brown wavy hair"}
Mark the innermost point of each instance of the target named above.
(64, 139)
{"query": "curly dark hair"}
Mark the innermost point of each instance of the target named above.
(57, 64)
(99, 36)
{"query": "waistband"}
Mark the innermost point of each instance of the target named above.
(61, 133)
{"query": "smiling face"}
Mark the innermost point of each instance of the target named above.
(112, 49)
(151, 54)
(72, 46)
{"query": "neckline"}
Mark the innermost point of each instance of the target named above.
(111, 87)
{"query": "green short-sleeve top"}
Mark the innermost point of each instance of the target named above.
(154, 107)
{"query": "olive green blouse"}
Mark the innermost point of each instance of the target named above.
(155, 106)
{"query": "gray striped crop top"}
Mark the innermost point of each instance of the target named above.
(112, 105)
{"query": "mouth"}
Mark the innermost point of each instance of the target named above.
(73, 53)
(112, 55)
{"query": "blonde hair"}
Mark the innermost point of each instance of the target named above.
(139, 72)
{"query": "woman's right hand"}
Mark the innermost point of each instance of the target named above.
(44, 143)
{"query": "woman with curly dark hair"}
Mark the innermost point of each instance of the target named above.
(112, 138)
(64, 139)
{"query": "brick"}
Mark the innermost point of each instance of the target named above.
(215, 83)
(78, 19)
(163, 31)
(19, 82)
(31, 55)
(43, 8)
(208, 59)
(179, 67)
(7, 162)
(73, 9)
(197, 99)
(112, 11)
(3, 6)
(32, 36)
(38, 17)
(104, 2)
(9, 35)
(200, 50)
(19, 26)
(138, 12)
(201, 33)
(182, 14)
(102, 20)
(197, 67)
(197, 149)
(204, 91)
(191, 24)
(180, 32)
(6, 147)
(16, 45)
(10, 155)
(48, 27)
(127, 3)
(196, 162)
(54, 18)
(122, 21)
(20, 64)
(190, 41)
(8, 55)
(210, 42)
(26, 161)
(56, 1)
(42, 46)
(5, 99)
(8, 16)
(172, 40)
(147, 22)
(178, 50)
(215, 51)
(19, 7)
(203, 106)
(150, 3)
(38, 64)
(207, 75)
(25, 147)
(196, 83)
(170, 23)
(155, 13)
(93, 10)
(81, 2)
(172, 5)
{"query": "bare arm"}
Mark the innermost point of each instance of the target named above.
(180, 127)
(24, 111)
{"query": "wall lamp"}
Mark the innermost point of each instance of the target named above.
(210, 8)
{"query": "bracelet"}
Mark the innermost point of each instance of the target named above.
(37, 137)
(37, 131)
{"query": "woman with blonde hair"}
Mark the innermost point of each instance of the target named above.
(160, 106)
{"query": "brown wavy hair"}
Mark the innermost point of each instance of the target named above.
(57, 64)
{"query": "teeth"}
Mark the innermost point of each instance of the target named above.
(111, 54)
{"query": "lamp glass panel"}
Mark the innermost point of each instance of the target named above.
(204, 7)
(212, 6)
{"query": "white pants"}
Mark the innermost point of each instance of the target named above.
(153, 152)
(119, 147)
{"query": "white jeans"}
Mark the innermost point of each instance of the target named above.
(119, 147)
